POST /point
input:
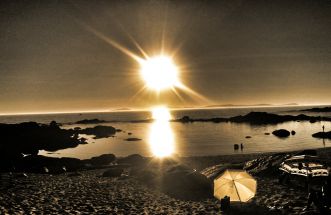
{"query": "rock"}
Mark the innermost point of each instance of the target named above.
(99, 131)
(74, 174)
(185, 119)
(129, 133)
(118, 130)
(147, 176)
(312, 120)
(266, 133)
(236, 146)
(293, 132)
(54, 124)
(102, 160)
(281, 133)
(324, 135)
(133, 160)
(48, 165)
(21, 175)
(90, 121)
(185, 183)
(113, 172)
(324, 109)
(247, 137)
(132, 139)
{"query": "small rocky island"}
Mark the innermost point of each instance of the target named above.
(318, 110)
(257, 118)
(323, 135)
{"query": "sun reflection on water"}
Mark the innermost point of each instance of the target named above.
(161, 136)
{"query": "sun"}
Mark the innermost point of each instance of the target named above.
(159, 73)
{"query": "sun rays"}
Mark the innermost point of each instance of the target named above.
(158, 73)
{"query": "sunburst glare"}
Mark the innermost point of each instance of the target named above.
(159, 73)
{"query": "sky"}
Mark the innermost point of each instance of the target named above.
(228, 52)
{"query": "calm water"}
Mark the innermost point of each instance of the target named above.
(189, 139)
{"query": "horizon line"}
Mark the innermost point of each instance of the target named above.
(147, 109)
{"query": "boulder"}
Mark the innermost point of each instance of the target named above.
(133, 160)
(293, 132)
(102, 160)
(281, 133)
(185, 183)
(113, 172)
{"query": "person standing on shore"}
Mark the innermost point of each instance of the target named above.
(323, 128)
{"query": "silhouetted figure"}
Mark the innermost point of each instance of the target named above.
(312, 198)
(235, 146)
(323, 128)
(241, 146)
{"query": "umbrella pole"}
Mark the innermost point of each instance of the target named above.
(237, 191)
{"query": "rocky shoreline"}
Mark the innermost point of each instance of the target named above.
(139, 185)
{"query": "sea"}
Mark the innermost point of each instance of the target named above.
(188, 139)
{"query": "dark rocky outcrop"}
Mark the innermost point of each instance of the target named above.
(281, 133)
(324, 135)
(132, 139)
(30, 137)
(90, 121)
(99, 131)
(257, 118)
(318, 110)
(293, 132)
(18, 141)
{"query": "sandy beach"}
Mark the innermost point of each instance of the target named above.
(87, 192)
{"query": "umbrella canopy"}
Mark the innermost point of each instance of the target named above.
(304, 165)
(237, 184)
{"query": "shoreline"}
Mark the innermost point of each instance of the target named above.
(87, 192)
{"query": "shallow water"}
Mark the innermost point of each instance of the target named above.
(190, 139)
(196, 139)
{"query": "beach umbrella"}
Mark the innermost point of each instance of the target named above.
(237, 184)
(304, 165)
